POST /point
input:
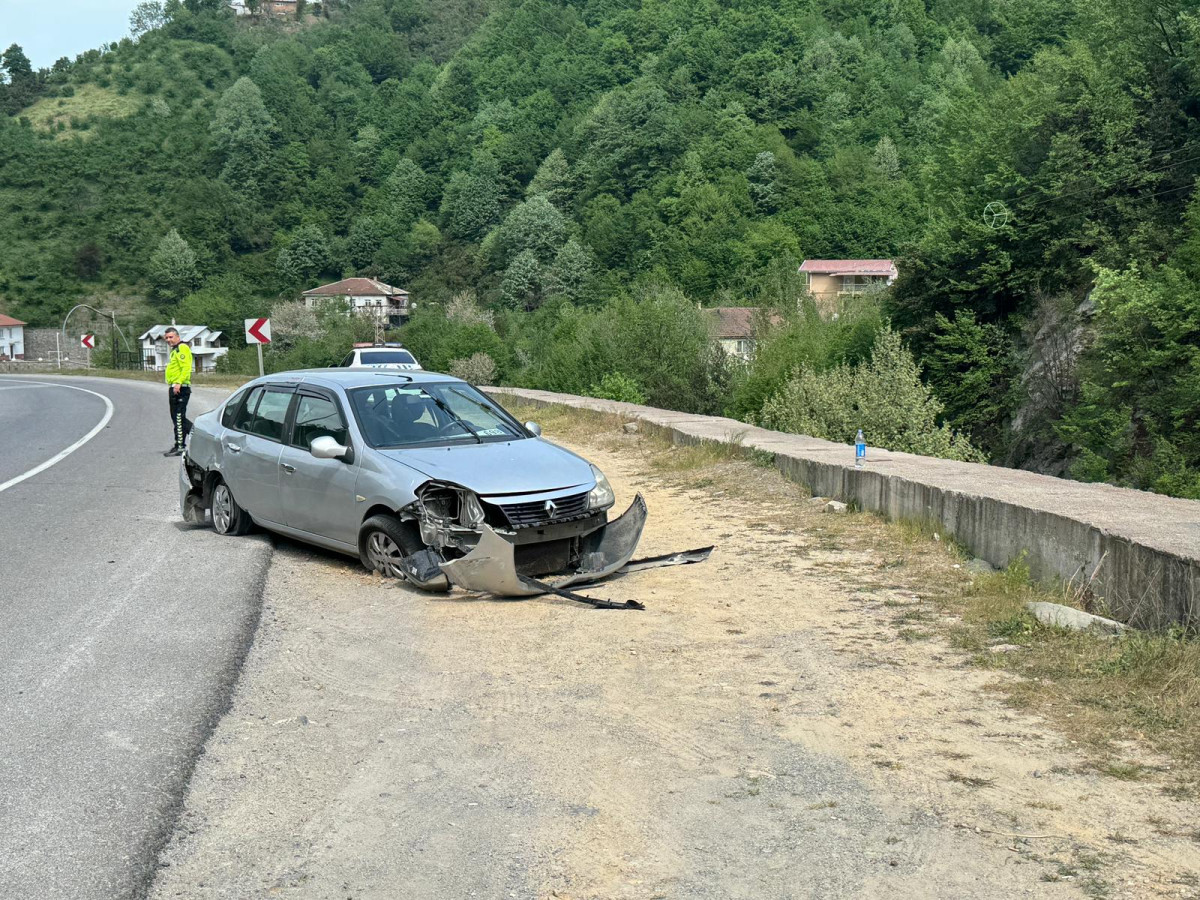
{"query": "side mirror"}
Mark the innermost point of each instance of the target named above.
(534, 428)
(327, 448)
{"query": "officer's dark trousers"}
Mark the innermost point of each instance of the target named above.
(179, 420)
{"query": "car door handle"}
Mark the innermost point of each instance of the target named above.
(233, 448)
(287, 468)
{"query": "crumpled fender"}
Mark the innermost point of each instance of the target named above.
(490, 567)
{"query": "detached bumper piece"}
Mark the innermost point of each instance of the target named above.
(490, 567)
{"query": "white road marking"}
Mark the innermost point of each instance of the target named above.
(108, 413)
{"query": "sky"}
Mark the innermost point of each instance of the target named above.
(50, 29)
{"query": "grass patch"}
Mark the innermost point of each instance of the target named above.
(1124, 771)
(89, 103)
(971, 781)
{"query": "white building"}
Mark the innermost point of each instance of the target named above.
(367, 297)
(12, 338)
(207, 347)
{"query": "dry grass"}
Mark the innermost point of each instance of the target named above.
(1102, 692)
(90, 102)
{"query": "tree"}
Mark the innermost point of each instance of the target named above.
(146, 16)
(405, 193)
(89, 260)
(173, 271)
(534, 225)
(464, 309)
(242, 131)
(763, 179)
(16, 64)
(22, 87)
(969, 368)
(471, 202)
(521, 287)
(306, 256)
(571, 272)
(293, 321)
(553, 180)
(886, 158)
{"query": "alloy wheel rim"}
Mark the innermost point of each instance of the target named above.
(222, 510)
(384, 554)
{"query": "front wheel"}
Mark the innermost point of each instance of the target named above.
(227, 516)
(383, 544)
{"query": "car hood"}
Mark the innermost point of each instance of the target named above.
(527, 466)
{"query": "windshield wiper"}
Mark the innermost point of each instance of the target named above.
(441, 404)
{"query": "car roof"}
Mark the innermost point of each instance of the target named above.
(354, 377)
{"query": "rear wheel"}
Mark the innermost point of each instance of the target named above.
(383, 544)
(227, 516)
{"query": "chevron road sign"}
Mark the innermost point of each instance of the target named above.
(258, 331)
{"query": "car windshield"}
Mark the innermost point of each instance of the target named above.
(407, 415)
(382, 357)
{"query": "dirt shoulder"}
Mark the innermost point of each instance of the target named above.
(782, 721)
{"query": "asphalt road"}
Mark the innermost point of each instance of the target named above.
(123, 634)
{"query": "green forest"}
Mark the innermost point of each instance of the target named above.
(562, 186)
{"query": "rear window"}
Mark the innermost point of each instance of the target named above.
(270, 415)
(245, 414)
(382, 357)
(231, 409)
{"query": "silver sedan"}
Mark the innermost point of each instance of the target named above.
(419, 475)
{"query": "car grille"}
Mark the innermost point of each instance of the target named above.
(530, 515)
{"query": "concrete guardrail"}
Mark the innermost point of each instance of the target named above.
(1139, 552)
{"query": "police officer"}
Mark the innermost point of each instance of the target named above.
(179, 388)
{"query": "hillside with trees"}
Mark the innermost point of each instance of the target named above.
(560, 185)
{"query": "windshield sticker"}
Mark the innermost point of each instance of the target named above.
(491, 432)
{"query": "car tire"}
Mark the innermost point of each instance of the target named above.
(383, 541)
(227, 516)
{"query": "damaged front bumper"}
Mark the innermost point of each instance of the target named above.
(491, 565)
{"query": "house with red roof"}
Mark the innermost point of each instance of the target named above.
(12, 338)
(829, 279)
(390, 306)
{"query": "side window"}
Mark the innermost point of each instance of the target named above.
(271, 414)
(349, 360)
(317, 417)
(245, 414)
(231, 409)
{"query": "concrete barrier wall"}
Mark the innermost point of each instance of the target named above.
(1144, 549)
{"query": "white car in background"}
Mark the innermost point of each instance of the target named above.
(381, 356)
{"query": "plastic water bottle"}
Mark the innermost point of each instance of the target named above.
(860, 450)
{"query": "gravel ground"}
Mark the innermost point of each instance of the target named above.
(760, 731)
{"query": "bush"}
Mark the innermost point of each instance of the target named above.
(615, 386)
(658, 338)
(438, 342)
(803, 338)
(884, 397)
(479, 368)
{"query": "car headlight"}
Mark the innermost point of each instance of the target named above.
(601, 496)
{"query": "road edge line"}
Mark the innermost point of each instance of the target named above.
(63, 454)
